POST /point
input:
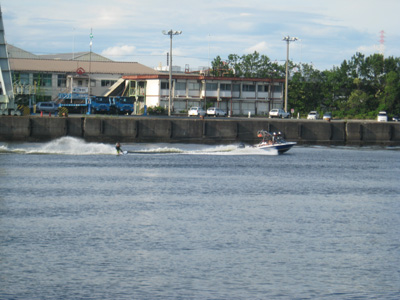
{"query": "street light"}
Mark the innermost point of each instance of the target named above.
(170, 33)
(288, 39)
(90, 61)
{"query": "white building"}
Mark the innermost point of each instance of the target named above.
(236, 95)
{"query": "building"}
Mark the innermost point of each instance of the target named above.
(72, 77)
(66, 77)
(238, 96)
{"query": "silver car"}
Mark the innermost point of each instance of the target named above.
(327, 116)
(216, 112)
(313, 115)
(196, 111)
(47, 107)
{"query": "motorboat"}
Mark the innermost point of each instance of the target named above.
(273, 141)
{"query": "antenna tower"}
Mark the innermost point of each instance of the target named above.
(382, 43)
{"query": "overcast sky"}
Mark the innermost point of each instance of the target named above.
(329, 32)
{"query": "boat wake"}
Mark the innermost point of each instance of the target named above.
(62, 146)
(76, 146)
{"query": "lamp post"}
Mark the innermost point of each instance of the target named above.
(288, 39)
(90, 60)
(170, 33)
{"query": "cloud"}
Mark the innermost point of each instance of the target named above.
(123, 52)
(241, 26)
(368, 50)
(261, 47)
(329, 31)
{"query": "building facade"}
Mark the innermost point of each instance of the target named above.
(237, 96)
(72, 78)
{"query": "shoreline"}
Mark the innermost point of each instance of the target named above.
(198, 130)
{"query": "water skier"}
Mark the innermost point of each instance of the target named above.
(118, 148)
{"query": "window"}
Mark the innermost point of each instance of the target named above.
(180, 86)
(277, 88)
(236, 88)
(42, 79)
(127, 100)
(262, 88)
(21, 78)
(164, 85)
(61, 80)
(249, 88)
(105, 82)
(212, 86)
(225, 87)
(194, 86)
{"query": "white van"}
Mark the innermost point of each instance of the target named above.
(382, 116)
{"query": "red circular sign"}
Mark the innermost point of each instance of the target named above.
(80, 71)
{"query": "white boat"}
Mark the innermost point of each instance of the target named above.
(273, 141)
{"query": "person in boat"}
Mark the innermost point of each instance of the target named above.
(118, 148)
(279, 137)
(274, 138)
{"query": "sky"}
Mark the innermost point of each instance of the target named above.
(328, 32)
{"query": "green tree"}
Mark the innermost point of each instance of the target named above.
(390, 99)
(219, 67)
(357, 103)
(305, 89)
(359, 87)
(234, 64)
(249, 65)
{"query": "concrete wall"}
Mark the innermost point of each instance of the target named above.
(109, 129)
(196, 130)
(12, 128)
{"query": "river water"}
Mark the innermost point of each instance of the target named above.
(174, 221)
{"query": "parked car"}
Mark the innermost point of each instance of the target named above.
(47, 107)
(313, 115)
(327, 116)
(196, 111)
(382, 116)
(395, 118)
(216, 112)
(278, 113)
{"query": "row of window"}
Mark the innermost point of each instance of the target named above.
(223, 87)
(45, 80)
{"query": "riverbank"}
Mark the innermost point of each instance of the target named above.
(195, 130)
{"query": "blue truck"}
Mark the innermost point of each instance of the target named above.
(123, 105)
(100, 105)
(108, 105)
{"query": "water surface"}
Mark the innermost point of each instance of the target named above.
(172, 221)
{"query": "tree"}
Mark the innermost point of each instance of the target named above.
(357, 103)
(305, 93)
(390, 99)
(249, 65)
(359, 87)
(219, 67)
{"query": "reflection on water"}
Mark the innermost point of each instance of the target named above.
(197, 222)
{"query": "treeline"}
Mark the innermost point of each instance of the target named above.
(359, 88)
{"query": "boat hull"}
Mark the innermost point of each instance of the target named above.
(281, 147)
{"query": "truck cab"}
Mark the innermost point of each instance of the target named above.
(123, 105)
(100, 105)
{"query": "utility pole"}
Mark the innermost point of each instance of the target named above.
(288, 39)
(90, 60)
(170, 33)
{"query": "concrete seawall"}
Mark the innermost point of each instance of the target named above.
(196, 130)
